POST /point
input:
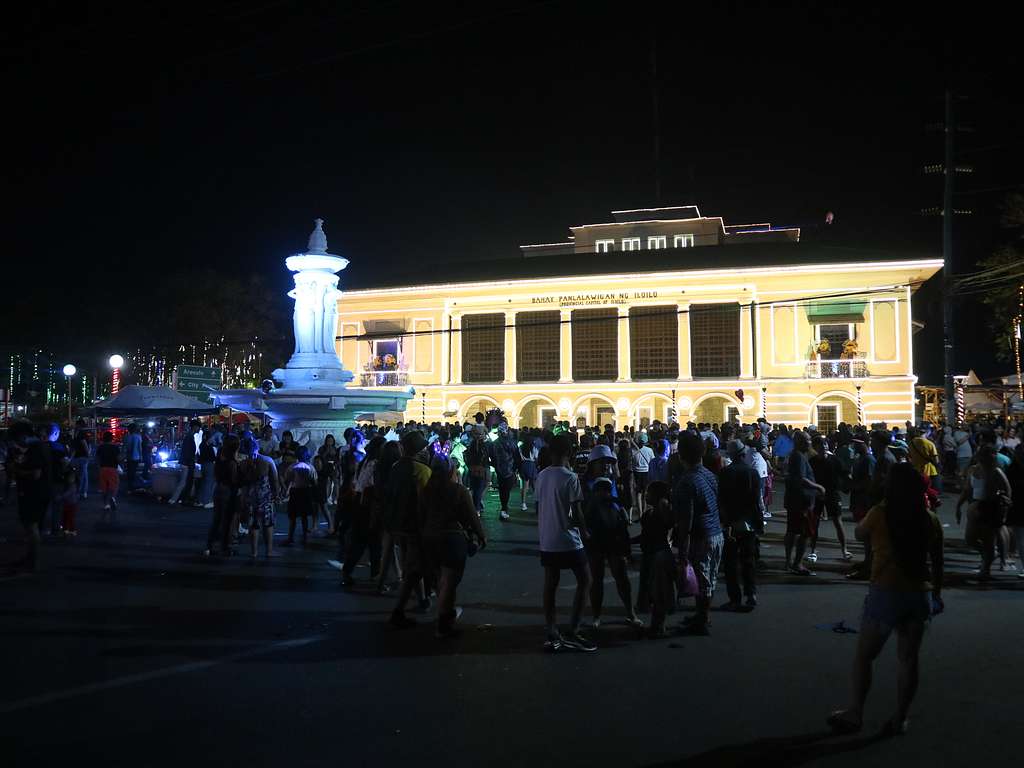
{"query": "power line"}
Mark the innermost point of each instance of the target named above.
(804, 301)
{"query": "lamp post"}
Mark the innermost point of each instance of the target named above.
(69, 371)
(116, 362)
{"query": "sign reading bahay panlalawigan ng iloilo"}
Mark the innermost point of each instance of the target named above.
(583, 299)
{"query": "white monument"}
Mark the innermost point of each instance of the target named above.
(311, 397)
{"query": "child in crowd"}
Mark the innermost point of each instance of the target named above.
(657, 571)
(300, 486)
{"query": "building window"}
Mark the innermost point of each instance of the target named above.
(682, 241)
(715, 340)
(384, 347)
(538, 354)
(604, 246)
(631, 243)
(836, 334)
(653, 342)
(827, 418)
(661, 241)
(483, 348)
(595, 344)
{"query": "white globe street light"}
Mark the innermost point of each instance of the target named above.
(69, 371)
(116, 361)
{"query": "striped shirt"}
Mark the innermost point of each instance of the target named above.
(695, 497)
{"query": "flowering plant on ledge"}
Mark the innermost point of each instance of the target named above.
(849, 349)
(378, 363)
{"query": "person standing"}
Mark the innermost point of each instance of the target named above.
(505, 458)
(561, 528)
(132, 455)
(802, 492)
(81, 452)
(147, 453)
(739, 498)
(989, 492)
(225, 498)
(186, 465)
(32, 467)
(207, 456)
(478, 464)
(366, 532)
(300, 488)
(260, 485)
(269, 445)
(108, 457)
(59, 460)
(528, 452)
(828, 472)
(449, 524)
(699, 529)
(326, 463)
(640, 463)
(904, 537)
(407, 479)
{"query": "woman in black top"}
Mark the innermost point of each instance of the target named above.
(327, 464)
(225, 498)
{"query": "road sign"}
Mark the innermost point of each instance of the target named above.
(194, 380)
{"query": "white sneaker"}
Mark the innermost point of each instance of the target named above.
(208, 506)
(524, 507)
(504, 515)
(812, 557)
(106, 508)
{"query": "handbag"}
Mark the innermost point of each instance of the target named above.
(688, 582)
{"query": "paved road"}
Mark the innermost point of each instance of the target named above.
(131, 648)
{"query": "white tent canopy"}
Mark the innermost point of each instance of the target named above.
(152, 401)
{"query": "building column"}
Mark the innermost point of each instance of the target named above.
(683, 339)
(746, 343)
(456, 348)
(510, 348)
(565, 346)
(625, 371)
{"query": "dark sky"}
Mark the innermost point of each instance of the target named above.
(148, 138)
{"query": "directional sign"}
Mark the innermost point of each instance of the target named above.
(195, 380)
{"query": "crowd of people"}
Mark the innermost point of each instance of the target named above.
(411, 499)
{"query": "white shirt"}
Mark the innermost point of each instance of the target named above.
(642, 458)
(1011, 442)
(757, 462)
(557, 488)
(963, 450)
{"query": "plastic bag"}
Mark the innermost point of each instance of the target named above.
(688, 582)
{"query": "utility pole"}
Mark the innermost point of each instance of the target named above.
(657, 119)
(947, 263)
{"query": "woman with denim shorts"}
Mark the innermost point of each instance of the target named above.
(904, 592)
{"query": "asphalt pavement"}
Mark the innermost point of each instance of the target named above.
(130, 647)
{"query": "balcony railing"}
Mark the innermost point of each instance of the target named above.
(384, 378)
(836, 369)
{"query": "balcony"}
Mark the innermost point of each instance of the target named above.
(836, 369)
(384, 379)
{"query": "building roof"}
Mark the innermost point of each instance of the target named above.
(370, 274)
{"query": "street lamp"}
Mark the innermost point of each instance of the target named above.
(69, 371)
(117, 363)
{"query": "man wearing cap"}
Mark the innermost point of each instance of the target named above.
(739, 499)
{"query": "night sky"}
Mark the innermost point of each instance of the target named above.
(148, 139)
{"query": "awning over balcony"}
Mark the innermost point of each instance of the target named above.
(383, 329)
(836, 310)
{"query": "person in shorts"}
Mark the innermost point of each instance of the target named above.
(562, 530)
(802, 492)
(108, 457)
(31, 465)
(906, 538)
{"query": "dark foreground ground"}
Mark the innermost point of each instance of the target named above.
(130, 648)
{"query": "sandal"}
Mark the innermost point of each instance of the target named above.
(840, 722)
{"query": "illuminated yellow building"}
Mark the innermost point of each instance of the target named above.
(660, 312)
